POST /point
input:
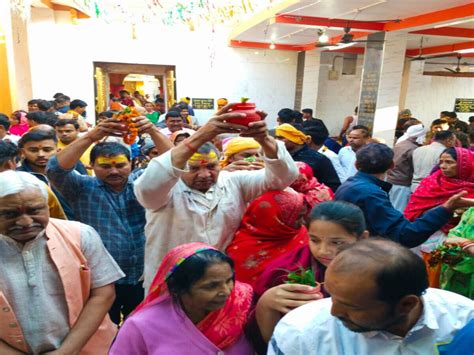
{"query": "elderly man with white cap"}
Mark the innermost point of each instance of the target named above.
(402, 174)
(56, 278)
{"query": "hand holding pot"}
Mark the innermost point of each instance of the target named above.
(222, 122)
(286, 297)
(244, 165)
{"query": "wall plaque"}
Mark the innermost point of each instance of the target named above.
(464, 105)
(203, 104)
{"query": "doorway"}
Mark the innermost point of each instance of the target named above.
(148, 79)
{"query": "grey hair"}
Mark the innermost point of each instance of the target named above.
(13, 182)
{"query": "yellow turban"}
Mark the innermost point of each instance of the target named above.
(237, 145)
(185, 99)
(292, 134)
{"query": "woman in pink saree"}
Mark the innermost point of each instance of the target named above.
(193, 306)
(18, 124)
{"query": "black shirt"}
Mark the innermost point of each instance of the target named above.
(460, 126)
(323, 169)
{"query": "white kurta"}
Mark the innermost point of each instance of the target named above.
(177, 214)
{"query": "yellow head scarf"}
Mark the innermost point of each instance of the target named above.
(292, 134)
(222, 102)
(237, 145)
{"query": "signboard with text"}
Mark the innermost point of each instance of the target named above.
(203, 104)
(464, 105)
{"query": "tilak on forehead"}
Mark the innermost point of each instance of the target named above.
(117, 159)
(203, 159)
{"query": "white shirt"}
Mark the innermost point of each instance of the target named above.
(12, 138)
(177, 214)
(311, 329)
(334, 158)
(347, 158)
(424, 160)
(166, 131)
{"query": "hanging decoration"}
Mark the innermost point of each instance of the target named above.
(191, 13)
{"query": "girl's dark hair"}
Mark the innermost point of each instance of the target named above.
(348, 216)
(193, 269)
(451, 151)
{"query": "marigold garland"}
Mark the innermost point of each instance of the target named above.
(127, 116)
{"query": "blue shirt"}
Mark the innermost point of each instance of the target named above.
(383, 220)
(117, 216)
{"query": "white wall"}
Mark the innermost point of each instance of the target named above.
(426, 96)
(337, 98)
(62, 59)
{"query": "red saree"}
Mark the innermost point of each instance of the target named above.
(266, 232)
(436, 189)
(222, 327)
(314, 192)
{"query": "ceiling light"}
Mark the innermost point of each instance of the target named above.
(273, 37)
(272, 46)
(465, 51)
(454, 23)
(324, 38)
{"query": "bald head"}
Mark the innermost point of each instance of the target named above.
(44, 128)
(394, 269)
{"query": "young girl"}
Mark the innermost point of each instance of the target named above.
(332, 225)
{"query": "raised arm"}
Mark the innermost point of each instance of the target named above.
(153, 188)
(68, 157)
(347, 122)
(216, 125)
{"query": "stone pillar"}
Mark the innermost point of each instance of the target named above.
(307, 96)
(381, 83)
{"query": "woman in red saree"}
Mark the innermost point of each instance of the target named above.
(271, 226)
(193, 306)
(314, 192)
(332, 225)
(456, 174)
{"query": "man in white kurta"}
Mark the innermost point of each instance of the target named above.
(181, 210)
(380, 305)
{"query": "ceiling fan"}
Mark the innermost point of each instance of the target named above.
(457, 69)
(347, 38)
(421, 57)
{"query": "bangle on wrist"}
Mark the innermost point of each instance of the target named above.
(467, 244)
(189, 146)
